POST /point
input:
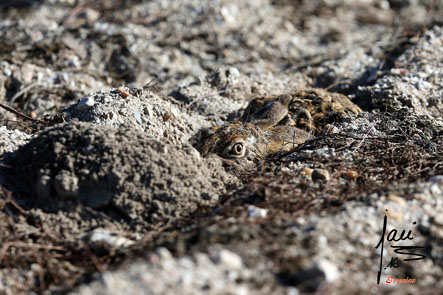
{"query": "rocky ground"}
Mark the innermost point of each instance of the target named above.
(102, 191)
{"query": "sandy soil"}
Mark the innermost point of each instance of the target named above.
(102, 191)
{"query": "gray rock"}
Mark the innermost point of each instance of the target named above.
(85, 104)
(228, 259)
(101, 237)
(138, 117)
(256, 212)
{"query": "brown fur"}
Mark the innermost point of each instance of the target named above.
(275, 123)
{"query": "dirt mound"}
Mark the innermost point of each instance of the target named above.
(304, 221)
(120, 174)
(141, 109)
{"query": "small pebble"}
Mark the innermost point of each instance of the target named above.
(7, 72)
(148, 112)
(437, 179)
(396, 215)
(85, 104)
(234, 72)
(329, 269)
(399, 71)
(399, 200)
(229, 259)
(164, 253)
(102, 236)
(351, 174)
(138, 117)
(320, 174)
(319, 272)
(306, 172)
(123, 92)
(256, 212)
(438, 220)
(423, 85)
(330, 129)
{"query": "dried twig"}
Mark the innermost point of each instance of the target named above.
(14, 204)
(9, 109)
(151, 84)
(364, 137)
(98, 265)
(76, 10)
(18, 244)
(340, 81)
(24, 90)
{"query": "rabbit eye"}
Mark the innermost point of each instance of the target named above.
(237, 148)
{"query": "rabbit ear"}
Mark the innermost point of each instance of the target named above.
(283, 138)
(201, 141)
(285, 99)
(254, 106)
(207, 132)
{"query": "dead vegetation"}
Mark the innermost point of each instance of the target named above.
(406, 152)
(79, 58)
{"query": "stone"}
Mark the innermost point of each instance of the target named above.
(85, 103)
(138, 117)
(320, 174)
(103, 237)
(351, 174)
(256, 212)
(228, 259)
(329, 270)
